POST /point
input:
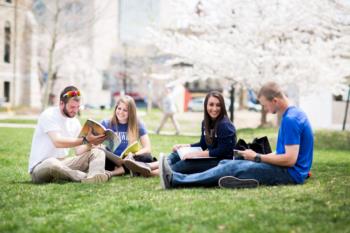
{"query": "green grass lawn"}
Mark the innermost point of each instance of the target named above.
(18, 121)
(139, 205)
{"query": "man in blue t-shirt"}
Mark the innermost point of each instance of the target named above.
(290, 164)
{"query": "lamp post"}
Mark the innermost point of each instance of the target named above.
(125, 63)
(346, 109)
(232, 105)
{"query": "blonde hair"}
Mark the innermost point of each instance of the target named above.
(133, 126)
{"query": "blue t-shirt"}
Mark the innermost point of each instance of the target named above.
(296, 129)
(122, 131)
(223, 142)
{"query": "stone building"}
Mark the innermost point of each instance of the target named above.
(86, 33)
(19, 84)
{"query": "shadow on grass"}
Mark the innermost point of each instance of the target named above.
(21, 182)
(29, 182)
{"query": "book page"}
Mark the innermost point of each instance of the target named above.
(133, 148)
(112, 140)
(182, 151)
(97, 128)
(111, 156)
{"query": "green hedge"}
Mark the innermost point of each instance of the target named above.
(326, 139)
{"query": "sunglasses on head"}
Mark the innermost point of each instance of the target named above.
(71, 94)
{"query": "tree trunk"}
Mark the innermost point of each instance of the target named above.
(346, 109)
(242, 93)
(49, 82)
(149, 95)
(48, 86)
(263, 119)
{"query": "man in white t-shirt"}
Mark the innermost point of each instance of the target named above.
(57, 131)
(169, 110)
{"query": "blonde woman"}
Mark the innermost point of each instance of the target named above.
(125, 123)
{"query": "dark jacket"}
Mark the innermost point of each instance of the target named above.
(224, 141)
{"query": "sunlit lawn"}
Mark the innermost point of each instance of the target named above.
(139, 205)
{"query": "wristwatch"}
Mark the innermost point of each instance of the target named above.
(85, 141)
(257, 158)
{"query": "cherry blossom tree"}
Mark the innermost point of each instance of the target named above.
(303, 43)
(66, 29)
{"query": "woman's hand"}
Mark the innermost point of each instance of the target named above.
(177, 146)
(189, 156)
(130, 155)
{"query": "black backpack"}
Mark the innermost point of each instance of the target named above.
(259, 145)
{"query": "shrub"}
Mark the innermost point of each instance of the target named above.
(326, 139)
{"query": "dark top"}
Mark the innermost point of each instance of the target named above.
(224, 141)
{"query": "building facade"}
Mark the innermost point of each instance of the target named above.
(19, 84)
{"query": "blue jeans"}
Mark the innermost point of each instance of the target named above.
(190, 166)
(264, 173)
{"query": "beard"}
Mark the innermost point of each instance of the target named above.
(66, 113)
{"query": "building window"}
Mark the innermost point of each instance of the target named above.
(7, 41)
(7, 91)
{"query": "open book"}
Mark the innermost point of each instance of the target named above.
(133, 148)
(184, 150)
(112, 140)
(111, 156)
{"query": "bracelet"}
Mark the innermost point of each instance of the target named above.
(85, 141)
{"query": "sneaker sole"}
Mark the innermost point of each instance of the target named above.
(99, 178)
(161, 161)
(234, 182)
(135, 168)
(164, 182)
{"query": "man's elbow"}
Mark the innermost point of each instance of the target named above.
(290, 162)
(58, 145)
(56, 141)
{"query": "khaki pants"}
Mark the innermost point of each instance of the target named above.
(73, 168)
(165, 118)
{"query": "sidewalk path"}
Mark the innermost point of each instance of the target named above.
(171, 133)
(32, 126)
(13, 125)
(188, 120)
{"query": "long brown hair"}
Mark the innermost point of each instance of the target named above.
(210, 125)
(133, 126)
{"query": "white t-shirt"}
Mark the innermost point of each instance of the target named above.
(169, 104)
(42, 147)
